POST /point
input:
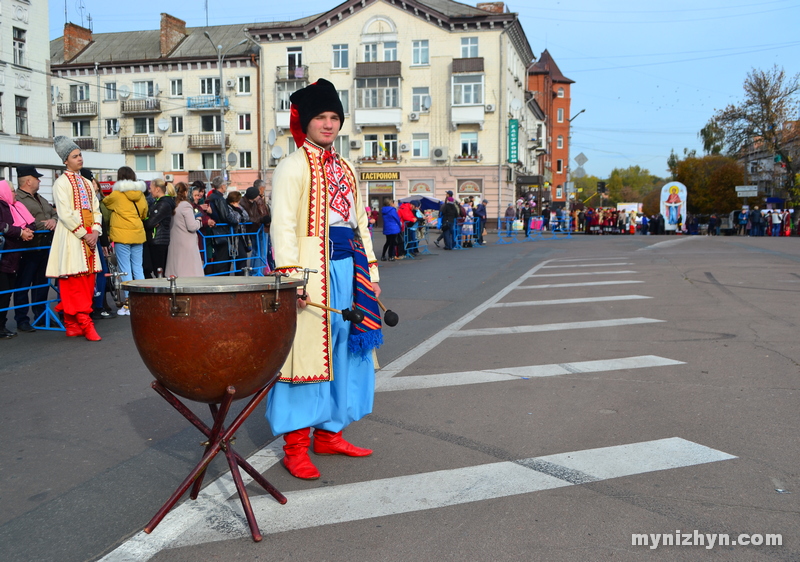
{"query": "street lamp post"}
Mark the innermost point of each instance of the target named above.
(569, 166)
(220, 100)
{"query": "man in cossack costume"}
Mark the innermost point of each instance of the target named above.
(74, 259)
(319, 222)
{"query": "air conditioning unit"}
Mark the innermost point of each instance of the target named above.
(413, 116)
(404, 147)
(489, 108)
(230, 84)
(439, 154)
(169, 177)
(355, 144)
(547, 163)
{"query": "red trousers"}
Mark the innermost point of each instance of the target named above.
(77, 293)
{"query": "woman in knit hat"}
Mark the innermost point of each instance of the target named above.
(319, 222)
(74, 257)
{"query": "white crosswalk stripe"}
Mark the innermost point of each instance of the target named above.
(553, 327)
(517, 373)
(589, 284)
(621, 272)
(586, 265)
(569, 301)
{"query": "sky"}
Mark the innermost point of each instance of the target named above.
(649, 75)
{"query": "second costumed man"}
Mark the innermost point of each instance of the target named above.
(319, 222)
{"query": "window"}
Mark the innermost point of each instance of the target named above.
(419, 52)
(344, 96)
(370, 146)
(294, 57)
(243, 84)
(390, 50)
(19, 46)
(79, 92)
(176, 88)
(177, 161)
(469, 47)
(246, 159)
(211, 160)
(144, 125)
(210, 123)
(110, 91)
(389, 147)
(377, 92)
(145, 162)
(244, 122)
(286, 89)
(469, 145)
(177, 123)
(559, 166)
(420, 146)
(209, 86)
(468, 90)
(342, 145)
(560, 92)
(371, 52)
(341, 56)
(560, 117)
(144, 89)
(81, 128)
(1, 112)
(21, 113)
(419, 101)
(560, 141)
(559, 192)
(112, 127)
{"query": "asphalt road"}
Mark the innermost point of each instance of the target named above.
(544, 400)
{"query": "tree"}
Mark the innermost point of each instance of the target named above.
(767, 119)
(711, 183)
(631, 185)
(713, 137)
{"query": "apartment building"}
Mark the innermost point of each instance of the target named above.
(551, 89)
(434, 94)
(165, 98)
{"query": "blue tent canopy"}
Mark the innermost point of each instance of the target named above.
(425, 202)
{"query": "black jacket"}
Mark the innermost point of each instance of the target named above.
(160, 219)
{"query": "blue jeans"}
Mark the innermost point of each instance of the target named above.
(129, 261)
(776, 229)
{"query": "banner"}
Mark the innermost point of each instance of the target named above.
(673, 204)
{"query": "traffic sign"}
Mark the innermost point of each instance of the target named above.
(746, 188)
(581, 159)
(747, 193)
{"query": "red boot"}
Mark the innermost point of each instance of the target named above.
(72, 326)
(87, 326)
(329, 443)
(296, 458)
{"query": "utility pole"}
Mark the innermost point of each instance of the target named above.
(569, 149)
(221, 101)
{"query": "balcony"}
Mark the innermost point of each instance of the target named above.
(206, 103)
(141, 105)
(286, 73)
(378, 117)
(468, 157)
(200, 175)
(208, 140)
(468, 65)
(85, 143)
(77, 109)
(467, 115)
(380, 159)
(377, 69)
(141, 143)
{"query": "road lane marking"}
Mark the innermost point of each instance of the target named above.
(553, 327)
(577, 274)
(587, 265)
(590, 259)
(433, 490)
(668, 243)
(589, 284)
(569, 301)
(417, 382)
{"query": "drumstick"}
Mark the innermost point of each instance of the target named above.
(390, 317)
(354, 316)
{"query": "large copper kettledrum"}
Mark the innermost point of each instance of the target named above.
(200, 335)
(215, 340)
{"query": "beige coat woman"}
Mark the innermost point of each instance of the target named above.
(183, 258)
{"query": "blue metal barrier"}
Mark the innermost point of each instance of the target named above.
(505, 231)
(258, 255)
(47, 320)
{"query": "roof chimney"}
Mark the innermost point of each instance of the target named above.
(173, 31)
(494, 7)
(76, 39)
